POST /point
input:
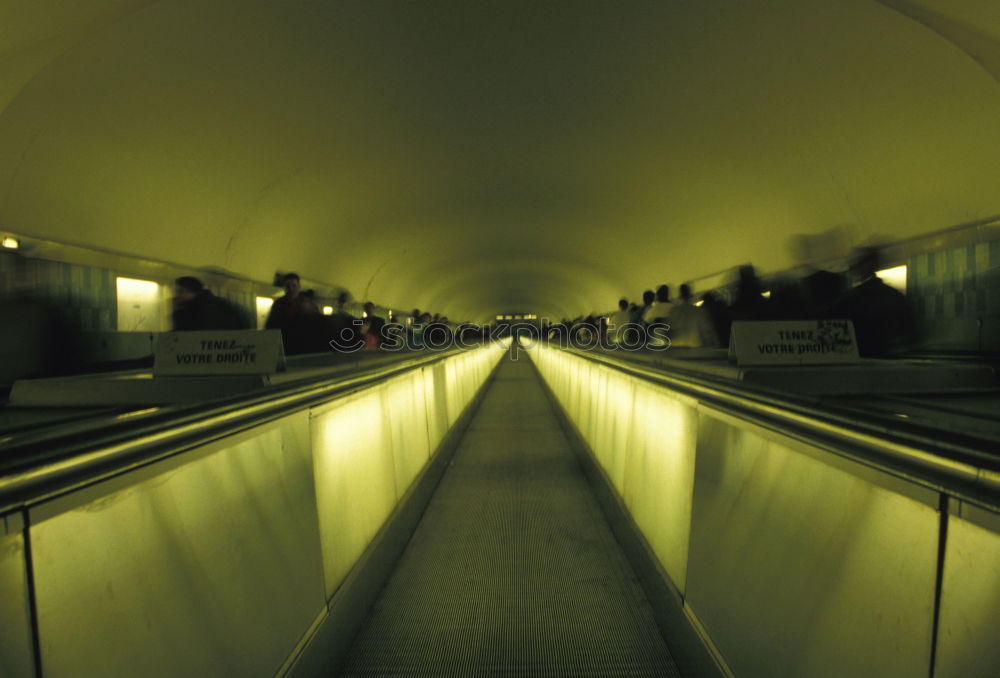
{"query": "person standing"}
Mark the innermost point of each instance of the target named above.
(291, 314)
(883, 320)
(196, 308)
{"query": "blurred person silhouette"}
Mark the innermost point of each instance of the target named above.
(584, 331)
(822, 289)
(341, 327)
(636, 331)
(436, 333)
(788, 300)
(718, 315)
(375, 321)
(196, 308)
(294, 314)
(617, 322)
(419, 330)
(286, 307)
(661, 307)
(367, 333)
(883, 321)
(690, 325)
(39, 339)
(308, 330)
(749, 303)
(639, 316)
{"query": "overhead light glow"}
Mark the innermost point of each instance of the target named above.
(328, 310)
(137, 287)
(139, 308)
(766, 294)
(894, 277)
(10, 243)
(699, 302)
(263, 308)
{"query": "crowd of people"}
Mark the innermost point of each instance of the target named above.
(883, 320)
(305, 328)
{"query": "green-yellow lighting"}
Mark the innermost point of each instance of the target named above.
(894, 277)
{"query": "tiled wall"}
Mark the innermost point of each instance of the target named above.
(955, 293)
(86, 293)
(956, 296)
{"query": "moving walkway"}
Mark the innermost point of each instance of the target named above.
(754, 533)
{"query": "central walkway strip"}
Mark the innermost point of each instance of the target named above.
(513, 570)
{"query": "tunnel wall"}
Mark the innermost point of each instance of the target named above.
(223, 559)
(953, 283)
(788, 559)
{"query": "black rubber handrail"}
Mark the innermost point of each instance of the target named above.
(37, 467)
(963, 466)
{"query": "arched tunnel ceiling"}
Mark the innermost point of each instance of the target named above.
(476, 158)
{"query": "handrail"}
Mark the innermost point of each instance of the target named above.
(965, 472)
(37, 467)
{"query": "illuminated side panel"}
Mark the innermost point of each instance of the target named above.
(406, 412)
(644, 439)
(659, 474)
(970, 599)
(557, 367)
(598, 410)
(619, 412)
(573, 389)
(355, 478)
(204, 564)
(597, 403)
(801, 568)
(15, 638)
(467, 375)
(586, 381)
(436, 397)
(590, 404)
(452, 388)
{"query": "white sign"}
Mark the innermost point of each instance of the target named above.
(218, 352)
(793, 342)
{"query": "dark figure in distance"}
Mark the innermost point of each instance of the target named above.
(343, 333)
(196, 308)
(292, 314)
(618, 323)
(750, 303)
(662, 307)
(822, 290)
(718, 315)
(375, 324)
(691, 325)
(883, 320)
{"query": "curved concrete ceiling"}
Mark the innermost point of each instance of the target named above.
(478, 158)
